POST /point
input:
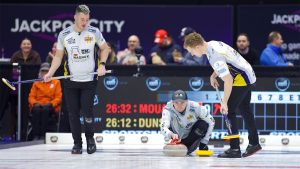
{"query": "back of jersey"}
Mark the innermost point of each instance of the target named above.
(224, 59)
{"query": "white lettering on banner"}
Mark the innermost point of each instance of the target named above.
(131, 132)
(292, 56)
(276, 97)
(53, 26)
(256, 97)
(290, 46)
(294, 46)
(283, 133)
(286, 19)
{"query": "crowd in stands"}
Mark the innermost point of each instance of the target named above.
(45, 98)
(166, 51)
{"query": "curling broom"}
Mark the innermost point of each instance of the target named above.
(227, 122)
(11, 85)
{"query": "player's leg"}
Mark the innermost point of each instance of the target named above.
(87, 103)
(248, 117)
(236, 95)
(72, 95)
(192, 141)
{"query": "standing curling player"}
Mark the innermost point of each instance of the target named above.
(79, 41)
(187, 121)
(239, 79)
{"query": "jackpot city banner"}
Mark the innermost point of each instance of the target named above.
(259, 21)
(116, 23)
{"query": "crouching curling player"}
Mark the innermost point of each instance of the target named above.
(187, 122)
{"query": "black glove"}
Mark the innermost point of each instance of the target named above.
(203, 146)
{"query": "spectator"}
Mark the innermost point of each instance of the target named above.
(128, 55)
(188, 59)
(272, 54)
(44, 102)
(165, 51)
(243, 47)
(51, 54)
(112, 57)
(26, 55)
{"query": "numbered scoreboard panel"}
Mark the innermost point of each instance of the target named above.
(134, 105)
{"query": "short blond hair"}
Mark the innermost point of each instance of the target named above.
(82, 9)
(273, 35)
(193, 39)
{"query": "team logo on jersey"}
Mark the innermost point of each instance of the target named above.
(85, 51)
(190, 117)
(153, 83)
(71, 41)
(88, 39)
(110, 82)
(196, 83)
(282, 84)
(75, 53)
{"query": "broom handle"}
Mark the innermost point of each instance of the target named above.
(69, 76)
(227, 122)
(59, 77)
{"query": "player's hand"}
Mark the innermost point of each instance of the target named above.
(101, 70)
(175, 138)
(47, 77)
(224, 108)
(213, 82)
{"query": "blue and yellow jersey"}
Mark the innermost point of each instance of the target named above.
(224, 60)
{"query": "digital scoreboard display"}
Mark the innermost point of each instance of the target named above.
(134, 104)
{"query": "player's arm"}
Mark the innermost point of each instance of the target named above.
(213, 80)
(104, 51)
(165, 124)
(56, 61)
(228, 81)
(208, 118)
(221, 69)
(55, 64)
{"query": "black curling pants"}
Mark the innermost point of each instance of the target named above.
(240, 100)
(80, 99)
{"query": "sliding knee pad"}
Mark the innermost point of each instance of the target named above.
(200, 132)
(201, 128)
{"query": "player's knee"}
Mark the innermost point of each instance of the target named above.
(201, 128)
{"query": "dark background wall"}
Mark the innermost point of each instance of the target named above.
(174, 2)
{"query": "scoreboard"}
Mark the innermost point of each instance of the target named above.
(129, 104)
